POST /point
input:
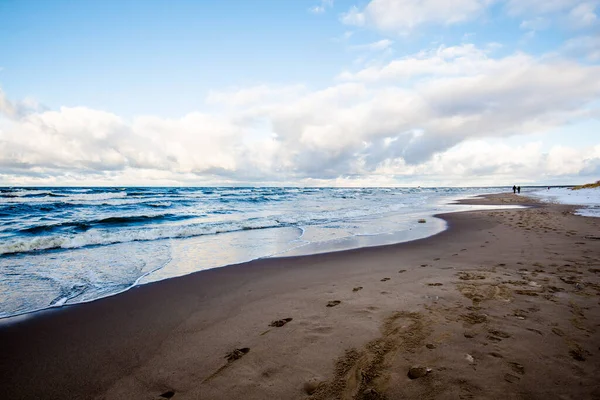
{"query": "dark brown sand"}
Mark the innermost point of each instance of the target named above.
(503, 305)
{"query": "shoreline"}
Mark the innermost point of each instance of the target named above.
(329, 246)
(170, 335)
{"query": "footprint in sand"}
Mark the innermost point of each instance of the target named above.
(535, 331)
(558, 332)
(236, 354)
(435, 284)
(518, 368)
(437, 259)
(333, 303)
(470, 276)
(385, 279)
(356, 289)
(594, 270)
(233, 355)
(401, 271)
(474, 318)
(424, 265)
(168, 395)
(577, 353)
(510, 378)
(280, 322)
(526, 293)
(501, 334)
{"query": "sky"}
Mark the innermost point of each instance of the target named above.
(299, 92)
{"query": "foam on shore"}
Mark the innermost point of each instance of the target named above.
(588, 198)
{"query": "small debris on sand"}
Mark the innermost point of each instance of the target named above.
(236, 354)
(418, 372)
(312, 385)
(280, 322)
(333, 303)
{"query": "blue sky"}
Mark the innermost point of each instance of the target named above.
(124, 56)
(325, 92)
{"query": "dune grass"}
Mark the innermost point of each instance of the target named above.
(588, 186)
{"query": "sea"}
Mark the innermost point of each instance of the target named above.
(61, 246)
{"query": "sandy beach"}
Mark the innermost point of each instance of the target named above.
(505, 304)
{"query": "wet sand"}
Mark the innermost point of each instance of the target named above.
(504, 304)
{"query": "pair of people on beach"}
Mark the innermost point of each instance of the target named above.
(516, 189)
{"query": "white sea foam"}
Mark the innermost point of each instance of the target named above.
(588, 198)
(96, 196)
(94, 237)
(109, 245)
(160, 204)
(35, 196)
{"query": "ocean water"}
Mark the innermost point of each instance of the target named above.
(71, 245)
(589, 199)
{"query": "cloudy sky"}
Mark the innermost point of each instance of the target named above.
(299, 92)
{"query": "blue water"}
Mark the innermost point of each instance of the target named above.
(69, 245)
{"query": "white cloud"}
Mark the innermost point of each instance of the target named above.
(480, 162)
(535, 24)
(401, 16)
(6, 107)
(527, 37)
(353, 17)
(583, 46)
(375, 46)
(343, 37)
(322, 7)
(456, 60)
(537, 7)
(17, 109)
(427, 116)
(583, 15)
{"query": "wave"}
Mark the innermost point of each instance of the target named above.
(42, 197)
(122, 220)
(160, 204)
(53, 227)
(96, 237)
(97, 196)
(22, 193)
(114, 220)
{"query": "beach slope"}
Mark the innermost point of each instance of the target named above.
(502, 305)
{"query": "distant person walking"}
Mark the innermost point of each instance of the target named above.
(519, 189)
(514, 189)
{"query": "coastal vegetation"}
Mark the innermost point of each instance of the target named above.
(588, 186)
